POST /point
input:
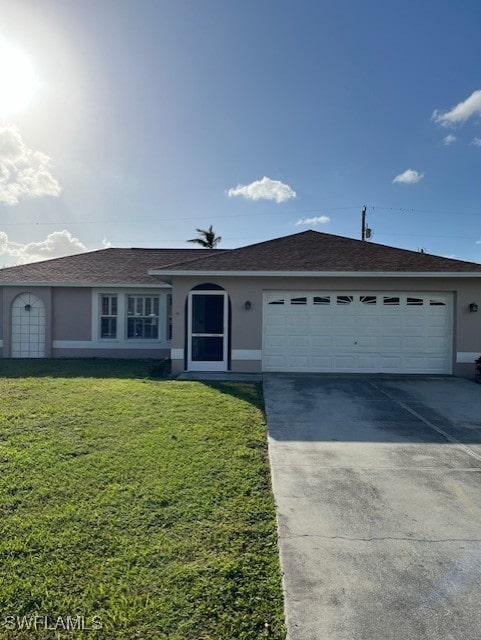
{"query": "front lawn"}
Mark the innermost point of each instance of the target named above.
(137, 505)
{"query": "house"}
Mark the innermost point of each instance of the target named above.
(310, 302)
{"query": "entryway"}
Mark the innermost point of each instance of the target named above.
(207, 330)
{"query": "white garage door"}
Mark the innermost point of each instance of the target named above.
(370, 332)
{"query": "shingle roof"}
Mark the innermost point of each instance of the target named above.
(312, 251)
(106, 266)
(309, 251)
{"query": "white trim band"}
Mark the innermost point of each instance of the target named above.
(467, 357)
(108, 344)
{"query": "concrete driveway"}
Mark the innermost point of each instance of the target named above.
(377, 482)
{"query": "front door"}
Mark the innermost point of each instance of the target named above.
(207, 331)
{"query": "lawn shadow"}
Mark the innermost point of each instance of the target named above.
(250, 392)
(84, 368)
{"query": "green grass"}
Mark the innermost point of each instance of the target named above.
(144, 502)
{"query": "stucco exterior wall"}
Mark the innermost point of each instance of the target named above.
(69, 332)
(72, 313)
(246, 326)
(1, 323)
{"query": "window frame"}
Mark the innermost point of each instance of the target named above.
(110, 316)
(121, 340)
(147, 302)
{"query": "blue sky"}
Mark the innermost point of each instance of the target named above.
(263, 118)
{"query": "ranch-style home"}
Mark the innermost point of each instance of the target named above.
(308, 302)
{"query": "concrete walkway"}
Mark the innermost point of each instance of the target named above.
(377, 482)
(220, 376)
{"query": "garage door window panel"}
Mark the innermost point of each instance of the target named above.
(390, 301)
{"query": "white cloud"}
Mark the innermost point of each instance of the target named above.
(106, 244)
(476, 142)
(314, 221)
(24, 173)
(56, 245)
(265, 189)
(410, 176)
(478, 242)
(3, 242)
(449, 139)
(461, 112)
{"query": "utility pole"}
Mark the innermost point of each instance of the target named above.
(366, 232)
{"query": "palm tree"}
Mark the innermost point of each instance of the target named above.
(207, 238)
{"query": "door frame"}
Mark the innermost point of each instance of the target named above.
(209, 365)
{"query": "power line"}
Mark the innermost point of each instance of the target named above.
(309, 212)
(427, 211)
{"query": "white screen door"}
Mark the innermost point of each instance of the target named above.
(207, 331)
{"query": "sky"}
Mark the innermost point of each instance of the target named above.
(130, 123)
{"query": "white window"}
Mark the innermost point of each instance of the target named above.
(123, 318)
(143, 317)
(108, 316)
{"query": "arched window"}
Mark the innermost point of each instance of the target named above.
(28, 326)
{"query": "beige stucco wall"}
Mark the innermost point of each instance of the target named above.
(69, 321)
(246, 329)
(72, 313)
(8, 296)
(1, 323)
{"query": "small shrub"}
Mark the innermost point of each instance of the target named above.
(477, 362)
(160, 368)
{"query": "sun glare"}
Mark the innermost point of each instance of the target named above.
(18, 81)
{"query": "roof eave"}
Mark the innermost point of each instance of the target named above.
(89, 284)
(168, 275)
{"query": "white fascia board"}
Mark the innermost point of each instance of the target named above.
(88, 285)
(321, 274)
